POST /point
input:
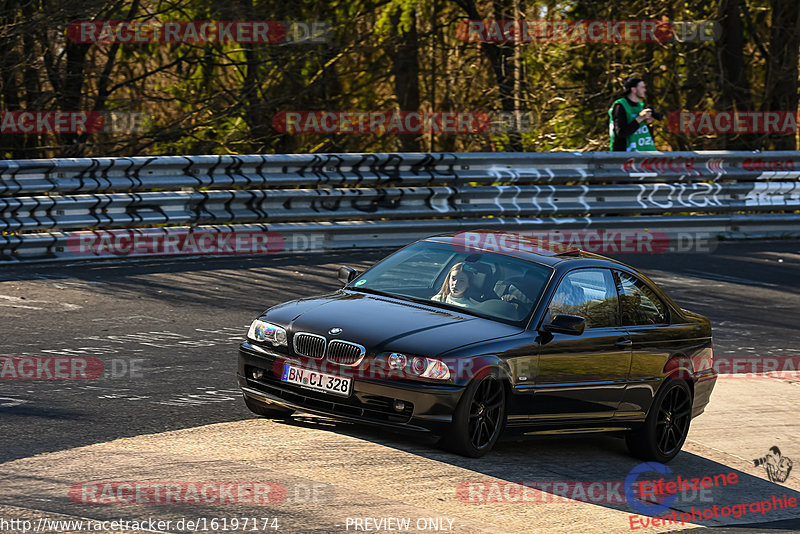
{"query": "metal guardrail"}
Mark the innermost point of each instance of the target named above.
(332, 201)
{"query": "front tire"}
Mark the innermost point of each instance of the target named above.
(667, 424)
(268, 411)
(478, 419)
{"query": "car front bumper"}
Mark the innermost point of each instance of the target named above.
(426, 407)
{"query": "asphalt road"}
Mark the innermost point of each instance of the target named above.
(166, 332)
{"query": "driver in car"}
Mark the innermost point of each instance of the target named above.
(456, 287)
(522, 292)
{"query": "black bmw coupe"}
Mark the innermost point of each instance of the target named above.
(470, 338)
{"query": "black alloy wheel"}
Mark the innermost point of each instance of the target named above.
(667, 424)
(479, 418)
(672, 422)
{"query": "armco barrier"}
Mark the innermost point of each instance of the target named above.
(335, 201)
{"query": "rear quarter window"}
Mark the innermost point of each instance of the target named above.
(639, 304)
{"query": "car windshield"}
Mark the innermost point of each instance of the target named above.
(487, 284)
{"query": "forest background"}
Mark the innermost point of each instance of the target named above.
(223, 97)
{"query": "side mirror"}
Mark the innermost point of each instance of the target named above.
(571, 325)
(347, 274)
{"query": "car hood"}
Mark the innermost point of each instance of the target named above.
(387, 324)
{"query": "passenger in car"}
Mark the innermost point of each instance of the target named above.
(456, 287)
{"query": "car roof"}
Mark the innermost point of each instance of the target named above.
(524, 245)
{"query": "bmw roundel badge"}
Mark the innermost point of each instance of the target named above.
(334, 331)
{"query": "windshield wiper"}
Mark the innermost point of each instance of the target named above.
(372, 291)
(409, 298)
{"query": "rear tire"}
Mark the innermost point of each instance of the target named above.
(667, 425)
(269, 411)
(479, 418)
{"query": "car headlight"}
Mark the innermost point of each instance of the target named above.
(264, 331)
(397, 360)
(419, 366)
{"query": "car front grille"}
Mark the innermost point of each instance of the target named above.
(338, 351)
(345, 352)
(309, 345)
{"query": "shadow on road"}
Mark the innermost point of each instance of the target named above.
(568, 467)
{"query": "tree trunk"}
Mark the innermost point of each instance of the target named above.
(735, 93)
(71, 94)
(501, 57)
(405, 60)
(781, 84)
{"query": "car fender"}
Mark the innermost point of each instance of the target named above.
(678, 367)
(467, 369)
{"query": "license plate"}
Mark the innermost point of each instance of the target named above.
(316, 380)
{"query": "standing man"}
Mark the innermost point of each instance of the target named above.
(628, 119)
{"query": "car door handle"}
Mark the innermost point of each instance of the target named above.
(624, 343)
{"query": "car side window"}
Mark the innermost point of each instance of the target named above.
(588, 293)
(639, 304)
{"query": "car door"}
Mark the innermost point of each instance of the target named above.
(583, 377)
(653, 340)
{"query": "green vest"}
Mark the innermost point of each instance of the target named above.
(639, 140)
